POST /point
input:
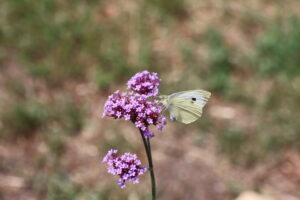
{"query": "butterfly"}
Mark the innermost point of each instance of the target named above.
(186, 106)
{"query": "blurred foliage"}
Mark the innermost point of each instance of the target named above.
(59, 186)
(232, 143)
(219, 61)
(57, 41)
(173, 9)
(23, 118)
(47, 37)
(277, 50)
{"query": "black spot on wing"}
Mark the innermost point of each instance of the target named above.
(194, 99)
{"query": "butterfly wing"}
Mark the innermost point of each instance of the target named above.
(200, 97)
(183, 110)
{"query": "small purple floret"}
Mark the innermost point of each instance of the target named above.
(127, 167)
(145, 83)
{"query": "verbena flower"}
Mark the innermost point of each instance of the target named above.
(144, 83)
(127, 167)
(137, 107)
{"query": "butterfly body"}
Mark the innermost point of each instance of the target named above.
(185, 107)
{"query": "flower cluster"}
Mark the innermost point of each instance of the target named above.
(144, 83)
(127, 167)
(136, 106)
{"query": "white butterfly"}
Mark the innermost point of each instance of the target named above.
(185, 107)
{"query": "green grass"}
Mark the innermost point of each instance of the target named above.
(27, 116)
(219, 63)
(56, 143)
(69, 116)
(58, 42)
(231, 142)
(276, 52)
(60, 187)
(276, 111)
(276, 57)
(23, 119)
(46, 37)
(175, 9)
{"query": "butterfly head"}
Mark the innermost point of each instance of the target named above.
(164, 99)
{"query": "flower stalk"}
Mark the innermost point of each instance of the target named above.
(151, 170)
(147, 146)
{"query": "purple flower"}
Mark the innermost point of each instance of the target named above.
(148, 133)
(137, 106)
(144, 83)
(127, 167)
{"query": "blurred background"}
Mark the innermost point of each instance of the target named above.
(59, 60)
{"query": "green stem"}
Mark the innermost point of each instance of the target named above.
(151, 169)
